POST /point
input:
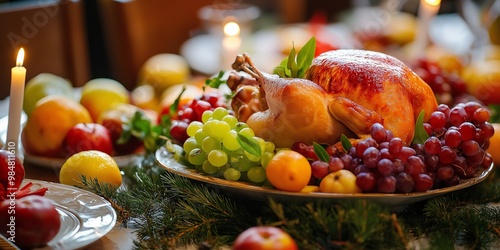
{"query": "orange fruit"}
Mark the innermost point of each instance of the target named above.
(49, 122)
(93, 165)
(494, 148)
(288, 171)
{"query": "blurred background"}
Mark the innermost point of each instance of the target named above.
(86, 39)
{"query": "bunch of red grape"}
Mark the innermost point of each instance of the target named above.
(192, 111)
(455, 150)
(381, 164)
(459, 138)
(448, 88)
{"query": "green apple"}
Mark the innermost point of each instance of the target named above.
(43, 85)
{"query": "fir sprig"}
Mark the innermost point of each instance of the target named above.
(109, 193)
(350, 224)
(206, 214)
(465, 218)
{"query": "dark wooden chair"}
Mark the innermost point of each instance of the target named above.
(53, 36)
(135, 30)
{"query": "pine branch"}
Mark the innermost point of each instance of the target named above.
(448, 220)
(206, 215)
(169, 211)
(355, 224)
(109, 193)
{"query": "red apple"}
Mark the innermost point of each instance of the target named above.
(115, 128)
(113, 120)
(11, 172)
(30, 221)
(88, 136)
(264, 238)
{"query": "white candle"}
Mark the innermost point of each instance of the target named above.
(426, 12)
(231, 43)
(18, 77)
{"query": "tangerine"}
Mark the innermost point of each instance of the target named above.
(289, 171)
(46, 127)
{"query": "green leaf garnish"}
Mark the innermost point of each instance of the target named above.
(216, 81)
(141, 127)
(249, 144)
(420, 135)
(320, 151)
(175, 106)
(305, 56)
(296, 65)
(346, 144)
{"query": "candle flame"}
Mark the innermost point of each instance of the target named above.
(20, 58)
(231, 29)
(433, 2)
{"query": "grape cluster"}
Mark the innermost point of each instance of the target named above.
(381, 163)
(459, 138)
(193, 111)
(448, 88)
(455, 150)
(213, 148)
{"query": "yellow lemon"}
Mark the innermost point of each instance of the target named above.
(49, 122)
(43, 85)
(401, 28)
(92, 164)
(164, 70)
(101, 94)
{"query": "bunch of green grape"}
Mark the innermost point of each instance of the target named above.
(222, 146)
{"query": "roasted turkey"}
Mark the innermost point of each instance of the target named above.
(344, 92)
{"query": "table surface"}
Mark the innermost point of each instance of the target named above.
(119, 238)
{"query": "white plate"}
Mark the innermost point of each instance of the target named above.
(85, 216)
(261, 193)
(50, 162)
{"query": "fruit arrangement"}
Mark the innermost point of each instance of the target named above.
(63, 121)
(346, 121)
